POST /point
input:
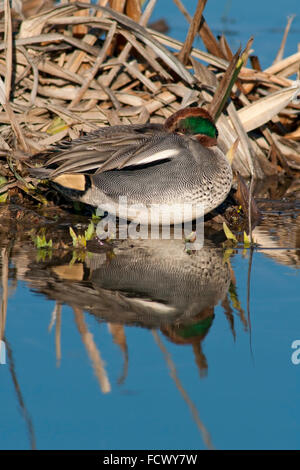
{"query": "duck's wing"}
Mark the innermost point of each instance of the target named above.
(116, 148)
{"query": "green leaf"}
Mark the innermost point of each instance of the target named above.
(43, 254)
(3, 180)
(228, 233)
(41, 242)
(227, 255)
(247, 242)
(57, 125)
(81, 240)
(74, 236)
(3, 197)
(89, 233)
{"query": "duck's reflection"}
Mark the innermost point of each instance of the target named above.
(149, 283)
(153, 284)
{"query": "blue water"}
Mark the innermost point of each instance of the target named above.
(249, 400)
(240, 20)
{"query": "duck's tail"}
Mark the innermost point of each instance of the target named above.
(66, 181)
(40, 173)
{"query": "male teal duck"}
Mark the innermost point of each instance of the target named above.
(152, 165)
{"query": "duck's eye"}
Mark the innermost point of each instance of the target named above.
(181, 130)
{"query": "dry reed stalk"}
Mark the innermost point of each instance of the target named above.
(80, 30)
(280, 52)
(117, 331)
(89, 76)
(58, 335)
(193, 30)
(194, 412)
(92, 351)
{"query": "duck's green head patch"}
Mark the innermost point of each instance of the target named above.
(198, 125)
(192, 121)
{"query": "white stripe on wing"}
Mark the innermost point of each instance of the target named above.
(161, 155)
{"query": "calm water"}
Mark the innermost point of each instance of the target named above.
(238, 21)
(144, 346)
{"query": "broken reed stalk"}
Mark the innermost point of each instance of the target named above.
(204, 32)
(223, 91)
(248, 297)
(280, 52)
(195, 414)
(117, 331)
(58, 333)
(92, 350)
(25, 413)
(228, 80)
(193, 30)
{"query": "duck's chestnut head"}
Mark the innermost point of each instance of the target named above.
(195, 122)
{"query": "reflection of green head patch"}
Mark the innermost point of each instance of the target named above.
(198, 125)
(195, 330)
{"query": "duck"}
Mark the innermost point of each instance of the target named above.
(156, 169)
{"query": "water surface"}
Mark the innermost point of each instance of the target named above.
(265, 21)
(140, 344)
